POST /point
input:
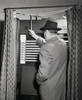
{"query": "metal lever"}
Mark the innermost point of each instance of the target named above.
(31, 22)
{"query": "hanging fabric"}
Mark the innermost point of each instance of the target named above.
(74, 26)
(10, 56)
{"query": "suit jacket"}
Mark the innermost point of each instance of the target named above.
(52, 70)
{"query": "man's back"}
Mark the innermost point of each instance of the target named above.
(53, 58)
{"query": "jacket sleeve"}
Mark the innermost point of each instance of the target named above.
(40, 41)
(44, 68)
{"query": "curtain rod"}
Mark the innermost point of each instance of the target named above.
(34, 7)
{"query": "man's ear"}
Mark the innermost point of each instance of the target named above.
(47, 31)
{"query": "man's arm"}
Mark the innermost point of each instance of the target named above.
(40, 41)
(46, 58)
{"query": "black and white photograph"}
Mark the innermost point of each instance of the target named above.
(40, 50)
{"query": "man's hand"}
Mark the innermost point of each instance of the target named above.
(32, 33)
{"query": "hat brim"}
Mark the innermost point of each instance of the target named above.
(43, 28)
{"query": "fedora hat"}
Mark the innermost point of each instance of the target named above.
(50, 25)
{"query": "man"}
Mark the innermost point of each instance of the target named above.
(51, 75)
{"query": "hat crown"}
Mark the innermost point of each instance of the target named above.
(50, 25)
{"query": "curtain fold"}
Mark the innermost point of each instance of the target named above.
(9, 59)
(74, 27)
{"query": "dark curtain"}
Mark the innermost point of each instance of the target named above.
(74, 27)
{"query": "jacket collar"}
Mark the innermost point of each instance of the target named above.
(55, 38)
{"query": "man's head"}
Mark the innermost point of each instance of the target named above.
(48, 34)
(50, 29)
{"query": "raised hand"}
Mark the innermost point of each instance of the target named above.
(32, 33)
